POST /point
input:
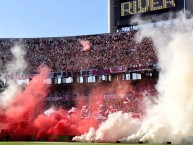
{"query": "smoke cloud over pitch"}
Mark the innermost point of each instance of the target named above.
(118, 125)
(170, 119)
(22, 113)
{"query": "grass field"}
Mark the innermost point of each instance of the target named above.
(51, 143)
(62, 143)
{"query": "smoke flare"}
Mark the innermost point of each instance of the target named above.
(170, 119)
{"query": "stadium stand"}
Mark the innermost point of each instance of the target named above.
(64, 53)
(112, 56)
(108, 60)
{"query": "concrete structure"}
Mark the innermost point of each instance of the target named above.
(189, 5)
(111, 16)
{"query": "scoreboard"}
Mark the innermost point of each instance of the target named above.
(125, 9)
(143, 6)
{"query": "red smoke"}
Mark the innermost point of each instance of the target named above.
(23, 117)
(86, 45)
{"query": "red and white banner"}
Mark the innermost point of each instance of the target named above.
(118, 69)
(105, 71)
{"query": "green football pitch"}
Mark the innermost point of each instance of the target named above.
(64, 143)
(52, 143)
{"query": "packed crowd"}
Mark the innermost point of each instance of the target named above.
(89, 102)
(66, 53)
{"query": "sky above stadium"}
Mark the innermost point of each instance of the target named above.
(52, 18)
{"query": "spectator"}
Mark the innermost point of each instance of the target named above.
(64, 53)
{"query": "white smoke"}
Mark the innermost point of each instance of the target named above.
(15, 66)
(18, 63)
(171, 119)
(50, 111)
(118, 125)
(87, 137)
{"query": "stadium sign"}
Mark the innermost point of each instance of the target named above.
(126, 9)
(105, 71)
(143, 6)
(118, 69)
